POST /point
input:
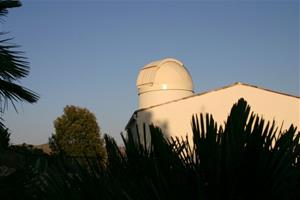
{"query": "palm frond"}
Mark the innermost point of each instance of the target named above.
(245, 159)
(11, 92)
(4, 4)
(13, 66)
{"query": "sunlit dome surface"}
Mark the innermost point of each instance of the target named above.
(165, 74)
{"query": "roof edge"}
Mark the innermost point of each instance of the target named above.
(217, 89)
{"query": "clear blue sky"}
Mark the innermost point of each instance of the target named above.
(89, 53)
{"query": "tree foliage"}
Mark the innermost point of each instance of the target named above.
(77, 133)
(4, 137)
(248, 158)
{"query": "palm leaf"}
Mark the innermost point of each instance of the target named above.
(245, 160)
(13, 66)
(4, 4)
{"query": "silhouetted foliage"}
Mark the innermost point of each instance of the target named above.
(4, 4)
(15, 170)
(248, 158)
(20, 165)
(13, 67)
(77, 134)
(4, 137)
(27, 149)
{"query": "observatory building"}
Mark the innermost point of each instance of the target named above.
(167, 100)
(163, 81)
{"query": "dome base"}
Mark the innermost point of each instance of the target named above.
(153, 98)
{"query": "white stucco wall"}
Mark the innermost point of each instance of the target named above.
(156, 97)
(175, 117)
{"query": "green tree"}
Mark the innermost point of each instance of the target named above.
(77, 134)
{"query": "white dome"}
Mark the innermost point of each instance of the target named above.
(166, 74)
(162, 81)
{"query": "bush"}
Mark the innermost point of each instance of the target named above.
(247, 159)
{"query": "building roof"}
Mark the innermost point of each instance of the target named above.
(218, 89)
(228, 86)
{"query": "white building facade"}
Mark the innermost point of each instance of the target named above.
(167, 100)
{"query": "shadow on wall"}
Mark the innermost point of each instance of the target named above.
(139, 126)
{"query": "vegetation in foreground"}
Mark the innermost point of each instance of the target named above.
(246, 159)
